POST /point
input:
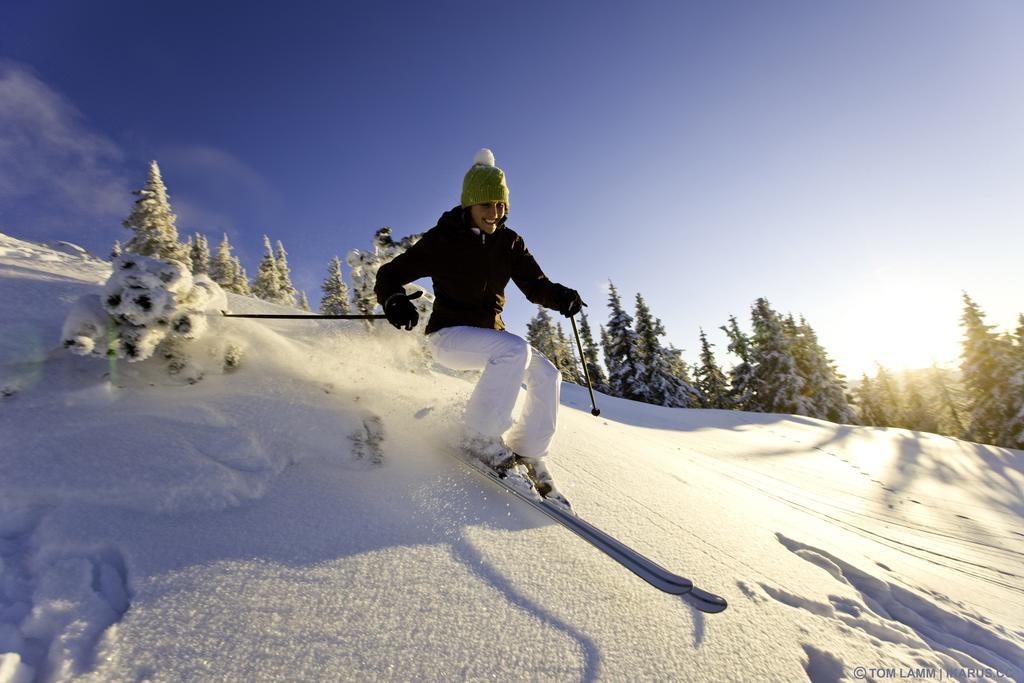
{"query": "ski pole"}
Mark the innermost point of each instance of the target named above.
(303, 316)
(586, 371)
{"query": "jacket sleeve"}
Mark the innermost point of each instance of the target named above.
(530, 279)
(411, 264)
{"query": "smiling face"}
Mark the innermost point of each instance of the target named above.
(487, 216)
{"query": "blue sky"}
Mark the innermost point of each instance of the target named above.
(860, 163)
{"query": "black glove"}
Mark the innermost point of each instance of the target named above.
(400, 310)
(568, 302)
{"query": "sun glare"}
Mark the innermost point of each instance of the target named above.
(899, 324)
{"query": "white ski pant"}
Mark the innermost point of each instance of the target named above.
(507, 362)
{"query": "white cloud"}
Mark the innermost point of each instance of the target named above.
(54, 170)
(203, 160)
(193, 217)
(215, 179)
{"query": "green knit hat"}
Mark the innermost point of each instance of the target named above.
(484, 182)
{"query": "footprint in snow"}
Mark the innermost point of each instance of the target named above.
(896, 616)
(823, 666)
(366, 441)
(750, 592)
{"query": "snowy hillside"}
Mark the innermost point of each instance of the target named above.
(235, 528)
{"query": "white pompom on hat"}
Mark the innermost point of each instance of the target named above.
(484, 157)
(484, 182)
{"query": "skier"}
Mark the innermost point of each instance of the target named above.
(470, 255)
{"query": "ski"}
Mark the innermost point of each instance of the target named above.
(705, 601)
(642, 566)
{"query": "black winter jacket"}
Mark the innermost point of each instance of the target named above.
(469, 273)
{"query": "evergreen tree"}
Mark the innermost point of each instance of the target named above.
(679, 369)
(918, 412)
(364, 266)
(870, 412)
(239, 278)
(711, 382)
(805, 363)
(284, 276)
(987, 367)
(541, 335)
(662, 379)
(621, 352)
(115, 251)
(777, 384)
(608, 362)
(1013, 431)
(566, 358)
(303, 301)
(590, 353)
(200, 254)
(153, 222)
(267, 283)
(741, 376)
(888, 398)
(222, 266)
(950, 423)
(824, 386)
(335, 298)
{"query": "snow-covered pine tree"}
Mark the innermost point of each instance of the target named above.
(609, 363)
(804, 359)
(621, 352)
(267, 283)
(284, 276)
(590, 352)
(147, 306)
(153, 222)
(987, 366)
(541, 335)
(869, 412)
(1013, 431)
(918, 414)
(566, 363)
(741, 376)
(222, 267)
(115, 250)
(239, 278)
(200, 253)
(303, 301)
(364, 266)
(335, 298)
(888, 398)
(823, 384)
(711, 382)
(950, 422)
(662, 384)
(681, 371)
(777, 383)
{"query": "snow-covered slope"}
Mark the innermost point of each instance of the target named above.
(152, 529)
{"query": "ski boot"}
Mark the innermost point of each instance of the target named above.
(538, 473)
(493, 454)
